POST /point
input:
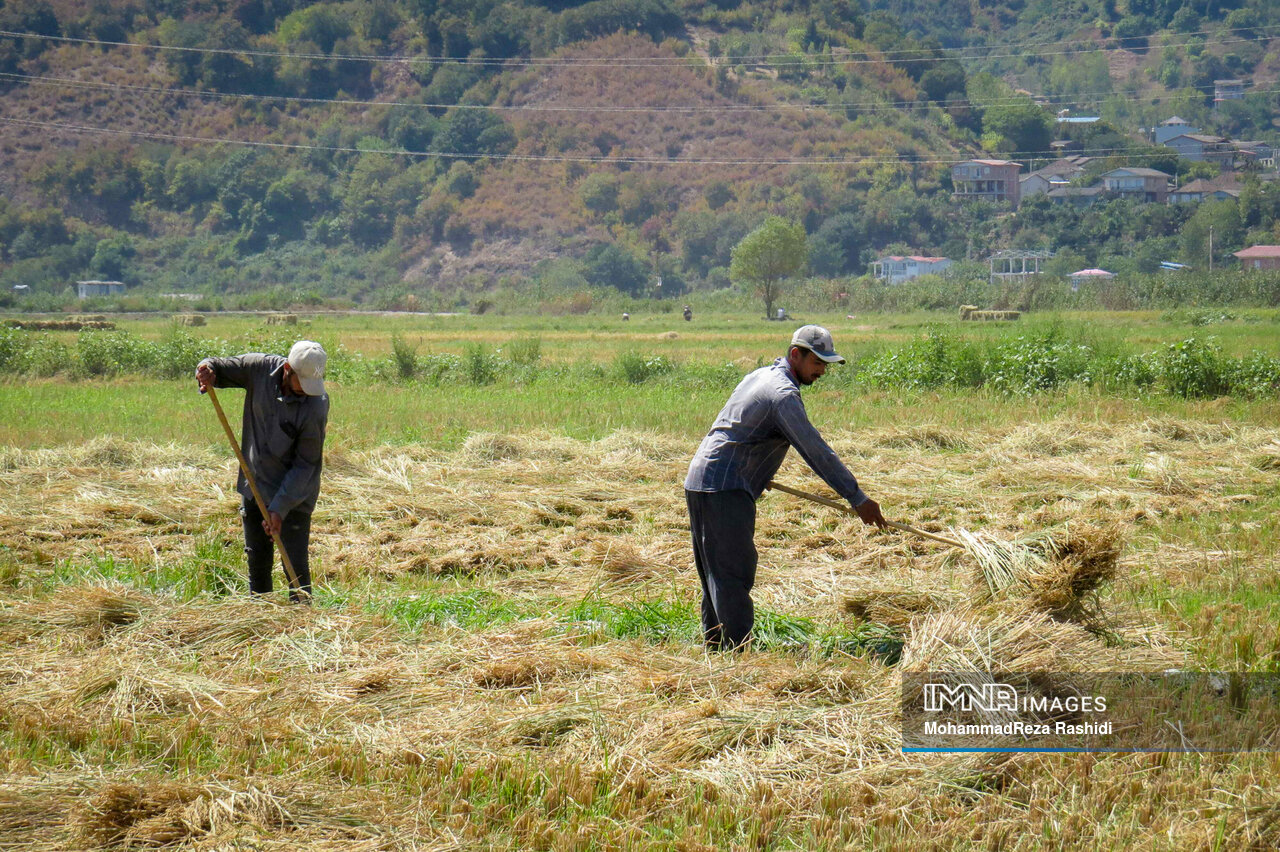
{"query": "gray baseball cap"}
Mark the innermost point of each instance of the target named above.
(817, 340)
(307, 358)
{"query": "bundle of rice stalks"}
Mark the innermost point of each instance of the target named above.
(1269, 458)
(95, 609)
(893, 607)
(998, 642)
(224, 628)
(624, 563)
(986, 647)
(547, 727)
(700, 739)
(123, 813)
(164, 814)
(1058, 572)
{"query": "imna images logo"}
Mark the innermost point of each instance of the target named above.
(967, 697)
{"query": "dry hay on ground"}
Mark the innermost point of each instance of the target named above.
(314, 714)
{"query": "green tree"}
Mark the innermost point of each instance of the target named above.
(767, 257)
(610, 265)
(1222, 218)
(1025, 125)
(111, 256)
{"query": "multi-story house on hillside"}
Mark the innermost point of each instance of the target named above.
(1203, 148)
(1139, 183)
(986, 180)
(1228, 90)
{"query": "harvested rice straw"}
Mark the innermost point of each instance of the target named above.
(1057, 571)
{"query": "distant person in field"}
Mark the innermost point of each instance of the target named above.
(285, 414)
(736, 460)
(688, 313)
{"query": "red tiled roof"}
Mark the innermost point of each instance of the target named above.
(1259, 251)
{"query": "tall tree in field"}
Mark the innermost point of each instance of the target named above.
(767, 257)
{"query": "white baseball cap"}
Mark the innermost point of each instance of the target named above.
(307, 358)
(817, 340)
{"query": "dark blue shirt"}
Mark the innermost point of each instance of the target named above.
(282, 434)
(745, 447)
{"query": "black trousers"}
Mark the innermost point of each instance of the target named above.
(295, 535)
(723, 525)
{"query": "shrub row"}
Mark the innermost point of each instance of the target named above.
(1195, 367)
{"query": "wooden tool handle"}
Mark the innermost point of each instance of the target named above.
(257, 495)
(825, 501)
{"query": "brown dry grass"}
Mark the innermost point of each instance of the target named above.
(135, 718)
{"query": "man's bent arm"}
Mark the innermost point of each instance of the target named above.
(235, 371)
(794, 422)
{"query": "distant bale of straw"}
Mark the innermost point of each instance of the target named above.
(189, 319)
(281, 319)
(59, 325)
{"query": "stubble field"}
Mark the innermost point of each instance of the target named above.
(502, 651)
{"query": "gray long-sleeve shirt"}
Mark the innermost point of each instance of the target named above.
(282, 434)
(745, 447)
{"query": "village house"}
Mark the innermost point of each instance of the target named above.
(1260, 257)
(85, 289)
(1077, 196)
(1143, 184)
(986, 180)
(1171, 127)
(1204, 148)
(894, 269)
(1254, 155)
(1056, 175)
(1228, 90)
(1214, 189)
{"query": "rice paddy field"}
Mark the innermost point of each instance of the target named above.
(503, 648)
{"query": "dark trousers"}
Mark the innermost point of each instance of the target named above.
(723, 524)
(295, 535)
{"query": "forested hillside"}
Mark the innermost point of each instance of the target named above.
(447, 154)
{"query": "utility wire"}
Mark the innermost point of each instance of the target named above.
(636, 160)
(864, 106)
(782, 59)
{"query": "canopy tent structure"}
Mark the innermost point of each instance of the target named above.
(1078, 278)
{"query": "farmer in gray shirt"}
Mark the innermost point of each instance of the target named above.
(285, 412)
(744, 449)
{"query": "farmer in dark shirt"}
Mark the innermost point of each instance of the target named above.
(285, 413)
(735, 462)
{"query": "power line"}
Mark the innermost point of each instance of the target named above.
(599, 160)
(865, 106)
(772, 59)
